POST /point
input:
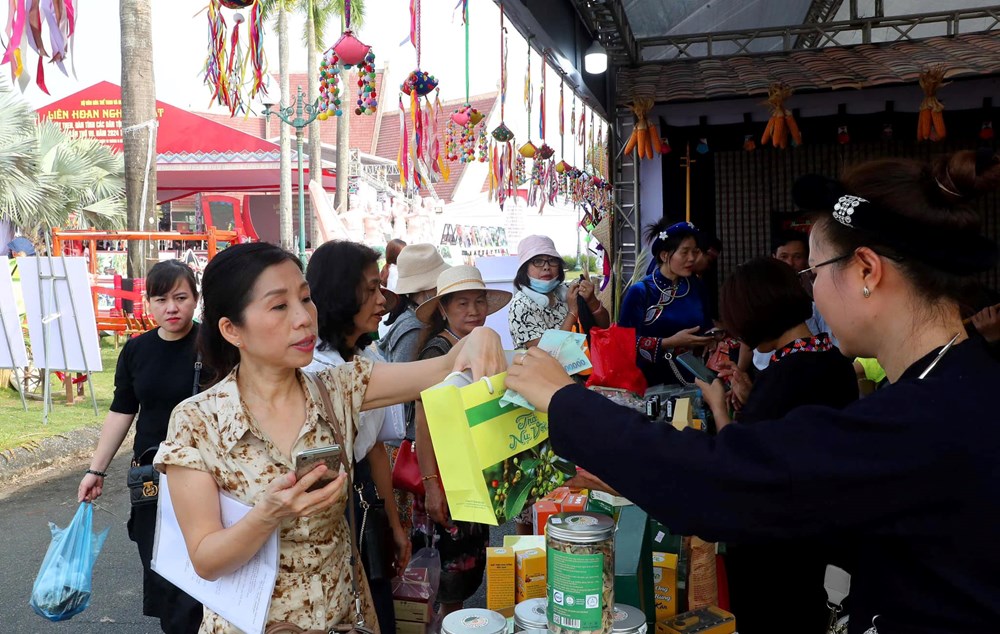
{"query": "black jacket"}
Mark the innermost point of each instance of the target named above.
(908, 476)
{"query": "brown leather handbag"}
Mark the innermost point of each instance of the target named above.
(358, 626)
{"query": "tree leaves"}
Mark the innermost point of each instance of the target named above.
(47, 175)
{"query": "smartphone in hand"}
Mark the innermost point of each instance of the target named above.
(308, 459)
(696, 366)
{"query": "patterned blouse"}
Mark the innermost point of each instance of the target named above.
(213, 432)
(528, 320)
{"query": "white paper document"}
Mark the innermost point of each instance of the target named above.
(242, 597)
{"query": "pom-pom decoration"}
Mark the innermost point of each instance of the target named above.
(465, 134)
(226, 65)
(330, 71)
(348, 52)
(422, 82)
(329, 86)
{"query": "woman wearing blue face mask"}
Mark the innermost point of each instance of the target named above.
(543, 300)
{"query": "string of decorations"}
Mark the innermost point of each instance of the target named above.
(228, 63)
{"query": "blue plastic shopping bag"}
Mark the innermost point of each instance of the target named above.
(62, 587)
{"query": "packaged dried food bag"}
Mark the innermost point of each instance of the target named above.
(62, 587)
(612, 352)
(492, 457)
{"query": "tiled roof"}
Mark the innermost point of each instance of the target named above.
(388, 140)
(815, 70)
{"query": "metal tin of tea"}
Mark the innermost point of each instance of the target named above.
(628, 620)
(474, 621)
(530, 615)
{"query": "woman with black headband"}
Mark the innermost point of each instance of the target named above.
(907, 478)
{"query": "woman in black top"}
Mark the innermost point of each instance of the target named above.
(907, 477)
(765, 306)
(155, 372)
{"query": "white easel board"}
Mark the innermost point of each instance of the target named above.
(74, 332)
(498, 273)
(13, 353)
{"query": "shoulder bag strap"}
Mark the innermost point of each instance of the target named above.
(197, 375)
(331, 419)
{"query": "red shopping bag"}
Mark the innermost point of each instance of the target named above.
(612, 352)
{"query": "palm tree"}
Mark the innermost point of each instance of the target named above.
(341, 201)
(277, 11)
(318, 14)
(52, 179)
(138, 109)
(20, 189)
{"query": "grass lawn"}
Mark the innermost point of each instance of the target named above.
(19, 428)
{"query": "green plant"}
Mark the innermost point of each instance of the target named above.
(570, 262)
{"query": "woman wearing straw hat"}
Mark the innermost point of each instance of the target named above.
(418, 267)
(462, 304)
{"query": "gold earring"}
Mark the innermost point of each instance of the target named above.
(867, 293)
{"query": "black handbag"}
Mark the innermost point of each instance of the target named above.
(375, 543)
(143, 480)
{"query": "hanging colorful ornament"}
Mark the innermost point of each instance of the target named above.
(887, 132)
(781, 125)
(502, 168)
(930, 125)
(843, 136)
(425, 160)
(25, 22)
(226, 68)
(986, 131)
(329, 86)
(748, 143)
(348, 52)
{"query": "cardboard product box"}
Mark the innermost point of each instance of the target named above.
(531, 571)
(596, 506)
(411, 594)
(500, 569)
(665, 585)
(540, 513)
(530, 565)
(557, 495)
(634, 562)
(410, 627)
(574, 503)
(413, 611)
(530, 589)
(708, 620)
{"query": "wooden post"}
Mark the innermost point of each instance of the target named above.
(70, 392)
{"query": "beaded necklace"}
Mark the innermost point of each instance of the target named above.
(667, 297)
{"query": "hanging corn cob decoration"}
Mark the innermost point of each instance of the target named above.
(782, 124)
(644, 139)
(930, 124)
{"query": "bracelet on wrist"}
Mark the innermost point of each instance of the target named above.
(100, 474)
(433, 476)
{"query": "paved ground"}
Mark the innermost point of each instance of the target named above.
(116, 604)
